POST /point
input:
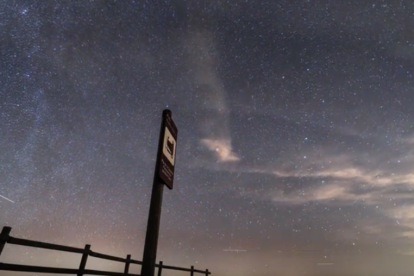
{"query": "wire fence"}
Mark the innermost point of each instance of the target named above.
(5, 238)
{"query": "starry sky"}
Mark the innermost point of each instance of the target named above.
(295, 133)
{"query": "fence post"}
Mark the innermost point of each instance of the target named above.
(207, 272)
(127, 264)
(4, 237)
(159, 268)
(84, 259)
(192, 270)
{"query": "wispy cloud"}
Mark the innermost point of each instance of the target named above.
(222, 148)
(338, 181)
(211, 94)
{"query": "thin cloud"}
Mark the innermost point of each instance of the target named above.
(336, 181)
(222, 149)
(210, 88)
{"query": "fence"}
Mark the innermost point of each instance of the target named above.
(86, 251)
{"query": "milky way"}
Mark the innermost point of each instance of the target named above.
(295, 147)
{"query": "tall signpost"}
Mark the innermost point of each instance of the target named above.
(164, 174)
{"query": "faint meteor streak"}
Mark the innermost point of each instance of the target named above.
(325, 263)
(7, 199)
(235, 250)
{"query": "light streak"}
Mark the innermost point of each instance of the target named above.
(7, 199)
(235, 250)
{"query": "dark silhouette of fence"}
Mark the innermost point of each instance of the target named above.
(86, 251)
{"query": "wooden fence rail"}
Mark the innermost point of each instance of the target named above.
(86, 252)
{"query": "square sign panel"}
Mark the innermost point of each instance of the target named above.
(168, 148)
(168, 151)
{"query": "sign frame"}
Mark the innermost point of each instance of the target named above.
(167, 154)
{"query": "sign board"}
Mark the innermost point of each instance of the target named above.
(169, 147)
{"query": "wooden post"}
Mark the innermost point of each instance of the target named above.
(4, 237)
(84, 259)
(160, 268)
(128, 259)
(192, 270)
(154, 216)
(206, 272)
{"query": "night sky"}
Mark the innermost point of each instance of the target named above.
(295, 126)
